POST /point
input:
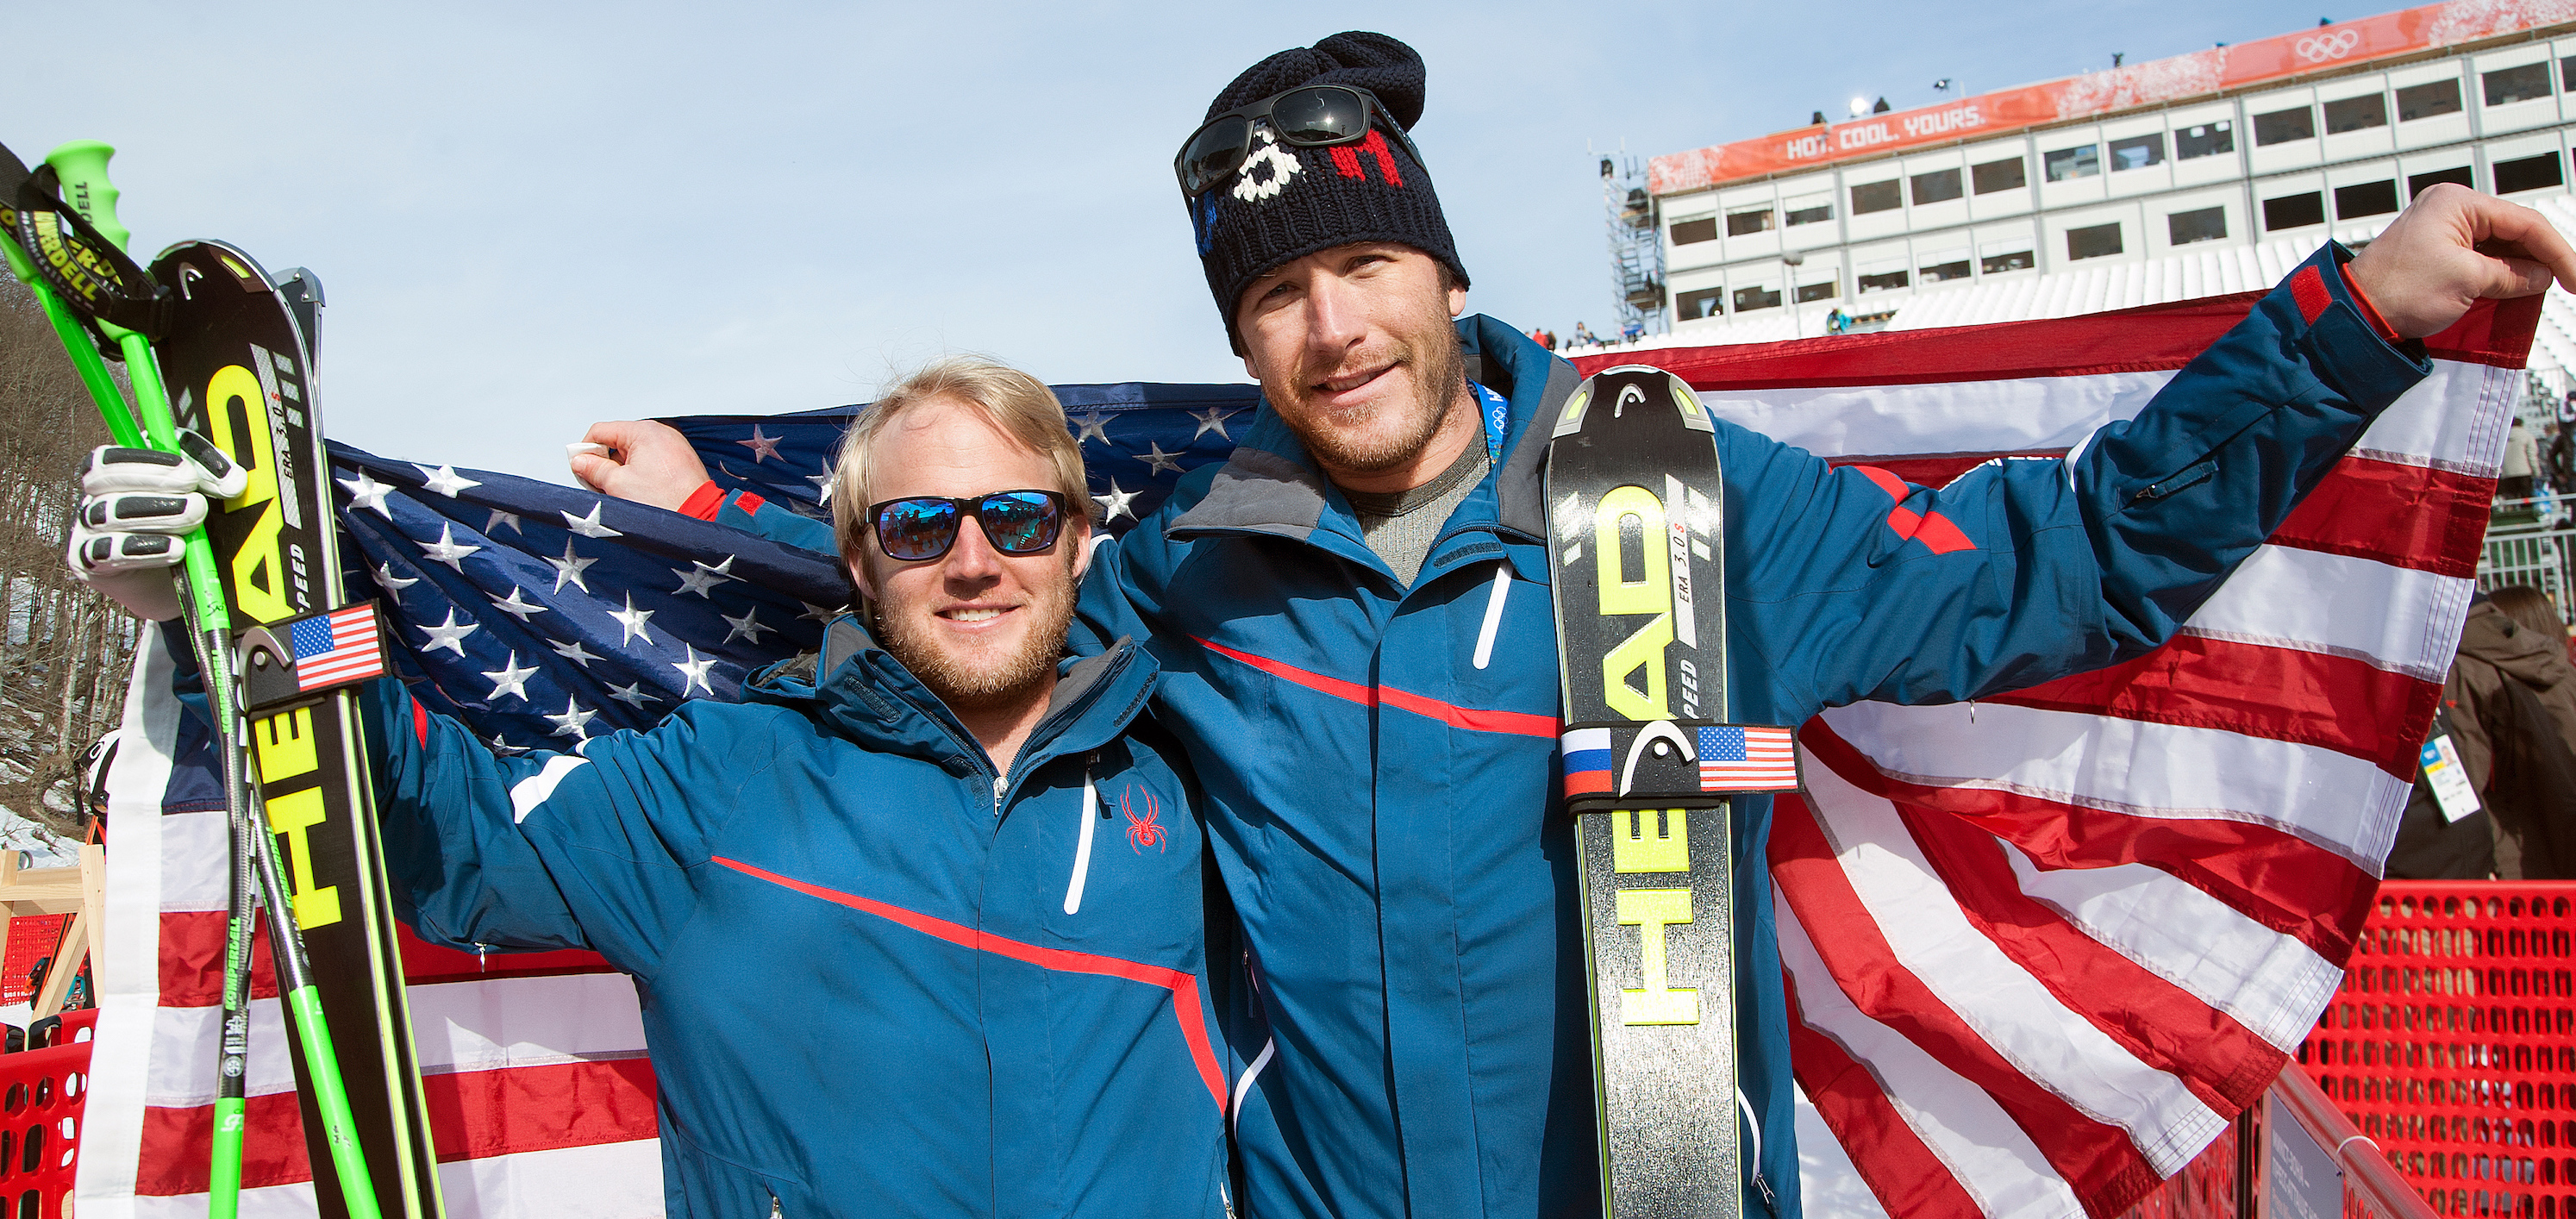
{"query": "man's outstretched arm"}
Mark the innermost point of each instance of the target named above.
(652, 463)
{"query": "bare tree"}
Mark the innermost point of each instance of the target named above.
(65, 651)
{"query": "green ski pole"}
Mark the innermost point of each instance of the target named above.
(76, 344)
(81, 167)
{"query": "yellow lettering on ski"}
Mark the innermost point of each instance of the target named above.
(1650, 911)
(259, 567)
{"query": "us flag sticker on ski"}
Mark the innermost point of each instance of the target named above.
(337, 648)
(1747, 758)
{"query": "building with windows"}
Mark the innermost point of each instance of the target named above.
(2206, 158)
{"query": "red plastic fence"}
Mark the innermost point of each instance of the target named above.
(42, 1095)
(32, 938)
(2452, 1044)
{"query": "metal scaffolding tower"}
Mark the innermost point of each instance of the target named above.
(1636, 247)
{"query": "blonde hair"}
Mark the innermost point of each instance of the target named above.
(1015, 402)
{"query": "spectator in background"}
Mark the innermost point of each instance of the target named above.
(2521, 461)
(1583, 336)
(2509, 710)
(2558, 457)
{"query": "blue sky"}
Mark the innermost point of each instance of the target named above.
(528, 216)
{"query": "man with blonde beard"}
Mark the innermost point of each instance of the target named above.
(883, 968)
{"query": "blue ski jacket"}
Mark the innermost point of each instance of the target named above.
(877, 978)
(1381, 762)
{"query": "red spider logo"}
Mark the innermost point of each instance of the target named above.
(1145, 831)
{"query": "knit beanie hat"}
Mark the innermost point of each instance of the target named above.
(1288, 202)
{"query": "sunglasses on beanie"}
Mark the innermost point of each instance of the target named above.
(924, 527)
(1309, 116)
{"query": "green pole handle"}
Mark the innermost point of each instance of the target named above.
(82, 166)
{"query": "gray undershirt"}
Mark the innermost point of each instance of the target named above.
(1401, 526)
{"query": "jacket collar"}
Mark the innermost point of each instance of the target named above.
(1272, 484)
(871, 698)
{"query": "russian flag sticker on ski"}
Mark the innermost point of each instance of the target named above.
(1741, 758)
(1587, 761)
(337, 648)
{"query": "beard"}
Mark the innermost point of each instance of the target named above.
(976, 679)
(1440, 381)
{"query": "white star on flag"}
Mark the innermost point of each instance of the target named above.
(574, 652)
(1154, 458)
(1093, 424)
(574, 721)
(1212, 420)
(445, 480)
(510, 679)
(500, 518)
(366, 492)
(392, 583)
(447, 549)
(749, 626)
(450, 636)
(516, 604)
(502, 746)
(589, 526)
(1114, 504)
(700, 577)
(569, 567)
(632, 620)
(762, 447)
(817, 613)
(695, 669)
(631, 694)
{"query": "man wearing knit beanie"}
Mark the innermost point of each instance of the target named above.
(1361, 658)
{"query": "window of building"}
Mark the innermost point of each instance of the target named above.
(2206, 139)
(2415, 183)
(2080, 162)
(2356, 113)
(1693, 231)
(1817, 292)
(2567, 74)
(2007, 174)
(2138, 152)
(2203, 224)
(2016, 260)
(2284, 126)
(1692, 306)
(2527, 173)
(1808, 209)
(2093, 241)
(1939, 186)
(2365, 199)
(1946, 267)
(1750, 220)
(2428, 99)
(1876, 197)
(1756, 297)
(1883, 281)
(2505, 86)
(2293, 211)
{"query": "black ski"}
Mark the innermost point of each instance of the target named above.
(1637, 558)
(238, 372)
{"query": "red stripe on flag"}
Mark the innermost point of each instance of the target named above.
(2280, 694)
(2097, 1158)
(1184, 986)
(1516, 723)
(1905, 1174)
(472, 1115)
(2165, 1026)
(192, 961)
(2275, 878)
(2409, 516)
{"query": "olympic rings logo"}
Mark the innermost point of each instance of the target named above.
(2318, 48)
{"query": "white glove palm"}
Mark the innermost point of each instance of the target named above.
(135, 504)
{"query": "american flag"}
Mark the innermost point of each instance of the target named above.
(1747, 759)
(336, 648)
(2039, 947)
(2042, 947)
